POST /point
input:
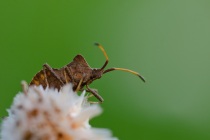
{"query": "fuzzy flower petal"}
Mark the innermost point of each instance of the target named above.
(49, 114)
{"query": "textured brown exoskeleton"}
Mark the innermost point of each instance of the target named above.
(77, 72)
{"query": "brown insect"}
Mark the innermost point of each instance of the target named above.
(77, 72)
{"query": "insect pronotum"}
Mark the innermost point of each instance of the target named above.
(77, 72)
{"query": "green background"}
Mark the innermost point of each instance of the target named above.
(167, 41)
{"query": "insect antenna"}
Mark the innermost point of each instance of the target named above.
(111, 69)
(104, 52)
(126, 70)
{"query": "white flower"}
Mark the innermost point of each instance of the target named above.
(48, 114)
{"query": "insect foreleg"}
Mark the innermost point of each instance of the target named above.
(91, 95)
(94, 92)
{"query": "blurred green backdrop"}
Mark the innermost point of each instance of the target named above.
(167, 41)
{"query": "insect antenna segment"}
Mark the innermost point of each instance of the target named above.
(126, 70)
(106, 56)
(111, 69)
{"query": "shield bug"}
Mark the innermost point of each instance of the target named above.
(77, 72)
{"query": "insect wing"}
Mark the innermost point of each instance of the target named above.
(46, 80)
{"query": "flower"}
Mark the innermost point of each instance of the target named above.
(49, 114)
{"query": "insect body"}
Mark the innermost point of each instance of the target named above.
(77, 72)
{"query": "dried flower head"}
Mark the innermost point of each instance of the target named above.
(49, 114)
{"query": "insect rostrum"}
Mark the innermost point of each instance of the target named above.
(77, 72)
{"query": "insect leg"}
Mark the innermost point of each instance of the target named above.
(64, 72)
(89, 94)
(79, 85)
(45, 77)
(24, 85)
(69, 74)
(47, 67)
(95, 94)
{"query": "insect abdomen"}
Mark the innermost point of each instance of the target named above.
(48, 79)
(39, 79)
